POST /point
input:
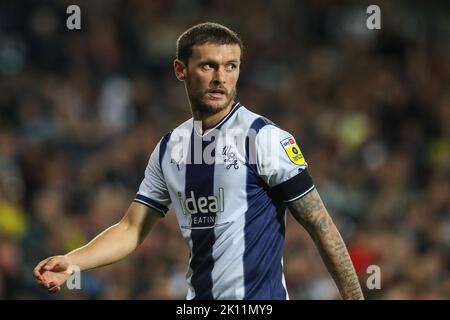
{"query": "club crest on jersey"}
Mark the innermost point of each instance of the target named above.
(230, 157)
(293, 150)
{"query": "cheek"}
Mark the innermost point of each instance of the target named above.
(199, 82)
(191, 84)
(232, 80)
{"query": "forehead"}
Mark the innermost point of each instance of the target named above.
(218, 52)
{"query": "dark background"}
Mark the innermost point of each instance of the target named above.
(81, 111)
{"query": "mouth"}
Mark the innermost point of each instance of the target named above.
(217, 94)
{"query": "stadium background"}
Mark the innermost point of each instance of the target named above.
(82, 110)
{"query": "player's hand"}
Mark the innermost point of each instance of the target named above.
(52, 272)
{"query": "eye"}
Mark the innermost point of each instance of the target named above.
(231, 66)
(207, 66)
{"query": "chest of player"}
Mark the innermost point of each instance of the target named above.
(208, 192)
(223, 166)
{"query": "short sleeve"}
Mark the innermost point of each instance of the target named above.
(153, 190)
(280, 163)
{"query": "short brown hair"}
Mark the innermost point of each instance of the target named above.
(204, 33)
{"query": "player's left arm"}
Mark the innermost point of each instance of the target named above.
(311, 213)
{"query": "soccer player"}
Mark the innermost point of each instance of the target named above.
(230, 174)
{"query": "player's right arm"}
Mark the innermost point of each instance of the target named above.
(110, 246)
(150, 204)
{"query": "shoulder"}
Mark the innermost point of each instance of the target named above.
(253, 120)
(260, 125)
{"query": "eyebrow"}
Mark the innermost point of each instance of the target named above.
(216, 62)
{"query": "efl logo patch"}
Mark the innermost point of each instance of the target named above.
(293, 150)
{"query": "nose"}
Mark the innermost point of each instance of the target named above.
(219, 76)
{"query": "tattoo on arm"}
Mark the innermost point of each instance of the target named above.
(306, 209)
(312, 214)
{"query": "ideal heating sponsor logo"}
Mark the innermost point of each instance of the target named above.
(202, 211)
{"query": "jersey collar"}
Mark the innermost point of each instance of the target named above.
(236, 106)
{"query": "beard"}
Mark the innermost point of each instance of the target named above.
(208, 107)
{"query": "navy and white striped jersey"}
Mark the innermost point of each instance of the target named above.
(229, 188)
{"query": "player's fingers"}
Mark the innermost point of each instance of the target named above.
(54, 289)
(58, 263)
(37, 276)
(40, 282)
(51, 264)
(40, 279)
(38, 269)
(43, 283)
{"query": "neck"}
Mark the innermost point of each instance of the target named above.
(208, 121)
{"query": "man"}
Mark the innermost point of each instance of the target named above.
(230, 174)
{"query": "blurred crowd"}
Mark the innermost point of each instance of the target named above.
(81, 111)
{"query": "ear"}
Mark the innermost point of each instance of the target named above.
(180, 69)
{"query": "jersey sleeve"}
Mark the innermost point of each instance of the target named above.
(153, 190)
(280, 163)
